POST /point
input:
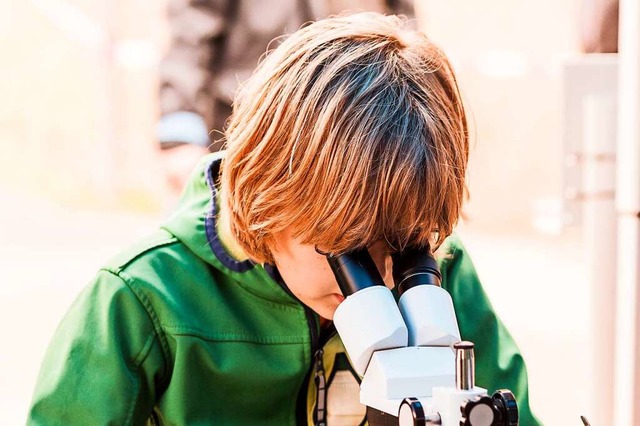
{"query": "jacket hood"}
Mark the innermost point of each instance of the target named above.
(194, 225)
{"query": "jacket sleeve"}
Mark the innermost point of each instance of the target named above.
(104, 364)
(499, 364)
(197, 29)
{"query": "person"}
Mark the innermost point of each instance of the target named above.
(350, 135)
(214, 46)
(599, 26)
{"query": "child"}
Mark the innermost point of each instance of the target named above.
(351, 134)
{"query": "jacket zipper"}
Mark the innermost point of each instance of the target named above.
(319, 378)
(321, 392)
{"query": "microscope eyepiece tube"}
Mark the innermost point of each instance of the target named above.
(414, 267)
(426, 307)
(354, 271)
(465, 365)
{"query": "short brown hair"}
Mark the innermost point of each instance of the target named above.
(350, 132)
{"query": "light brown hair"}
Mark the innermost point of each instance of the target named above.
(352, 131)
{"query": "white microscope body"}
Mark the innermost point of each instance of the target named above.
(413, 364)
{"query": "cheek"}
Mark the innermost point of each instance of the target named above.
(305, 272)
(388, 272)
(320, 279)
(309, 277)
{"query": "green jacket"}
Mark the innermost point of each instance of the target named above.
(176, 331)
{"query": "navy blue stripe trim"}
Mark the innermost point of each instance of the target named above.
(273, 272)
(213, 239)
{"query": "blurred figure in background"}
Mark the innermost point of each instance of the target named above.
(215, 45)
(599, 29)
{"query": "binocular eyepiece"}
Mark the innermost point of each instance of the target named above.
(415, 267)
(370, 319)
(356, 270)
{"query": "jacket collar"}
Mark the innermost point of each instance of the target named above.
(194, 224)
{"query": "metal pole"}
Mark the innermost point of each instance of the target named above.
(465, 366)
(600, 242)
(627, 374)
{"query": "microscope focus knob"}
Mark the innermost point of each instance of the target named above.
(478, 411)
(411, 413)
(507, 407)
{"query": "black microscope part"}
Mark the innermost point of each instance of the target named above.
(467, 408)
(354, 271)
(417, 411)
(413, 267)
(507, 407)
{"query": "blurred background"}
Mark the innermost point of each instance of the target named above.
(81, 176)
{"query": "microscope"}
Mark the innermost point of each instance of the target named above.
(415, 369)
